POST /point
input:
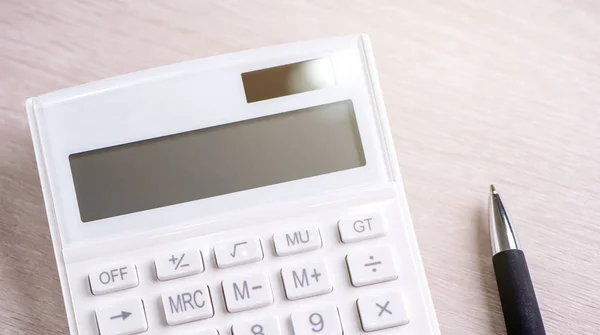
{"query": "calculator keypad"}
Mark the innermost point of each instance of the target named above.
(266, 326)
(320, 320)
(367, 264)
(247, 292)
(294, 242)
(371, 266)
(187, 304)
(126, 317)
(306, 280)
(383, 311)
(239, 252)
(113, 278)
(179, 264)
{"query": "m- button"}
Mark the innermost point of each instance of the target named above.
(247, 292)
(113, 278)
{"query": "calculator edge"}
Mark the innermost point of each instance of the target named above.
(395, 166)
(31, 108)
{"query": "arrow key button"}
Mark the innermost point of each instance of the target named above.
(127, 317)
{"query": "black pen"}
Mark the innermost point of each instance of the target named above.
(521, 312)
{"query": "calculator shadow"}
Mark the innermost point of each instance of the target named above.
(495, 324)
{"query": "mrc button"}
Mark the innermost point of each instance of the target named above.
(113, 278)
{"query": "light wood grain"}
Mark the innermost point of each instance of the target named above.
(477, 91)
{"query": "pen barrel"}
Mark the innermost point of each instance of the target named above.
(519, 304)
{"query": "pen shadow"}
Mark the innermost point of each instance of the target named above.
(495, 324)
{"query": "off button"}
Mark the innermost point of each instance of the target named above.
(113, 278)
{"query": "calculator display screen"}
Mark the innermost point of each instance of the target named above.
(215, 161)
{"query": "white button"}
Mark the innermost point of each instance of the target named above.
(247, 292)
(239, 252)
(294, 242)
(306, 280)
(126, 317)
(187, 304)
(384, 311)
(178, 264)
(113, 278)
(320, 320)
(361, 227)
(266, 326)
(370, 266)
(206, 332)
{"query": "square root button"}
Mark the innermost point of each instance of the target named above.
(229, 254)
(126, 317)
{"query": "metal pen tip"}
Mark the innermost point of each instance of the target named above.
(502, 233)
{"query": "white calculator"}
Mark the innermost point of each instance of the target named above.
(253, 193)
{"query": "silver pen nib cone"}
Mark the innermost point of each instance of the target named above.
(502, 233)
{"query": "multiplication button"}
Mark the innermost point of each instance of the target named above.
(383, 311)
(362, 227)
(371, 266)
(113, 278)
(178, 264)
(126, 317)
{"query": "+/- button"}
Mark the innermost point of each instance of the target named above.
(178, 264)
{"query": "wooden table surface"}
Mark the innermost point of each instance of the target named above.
(477, 91)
